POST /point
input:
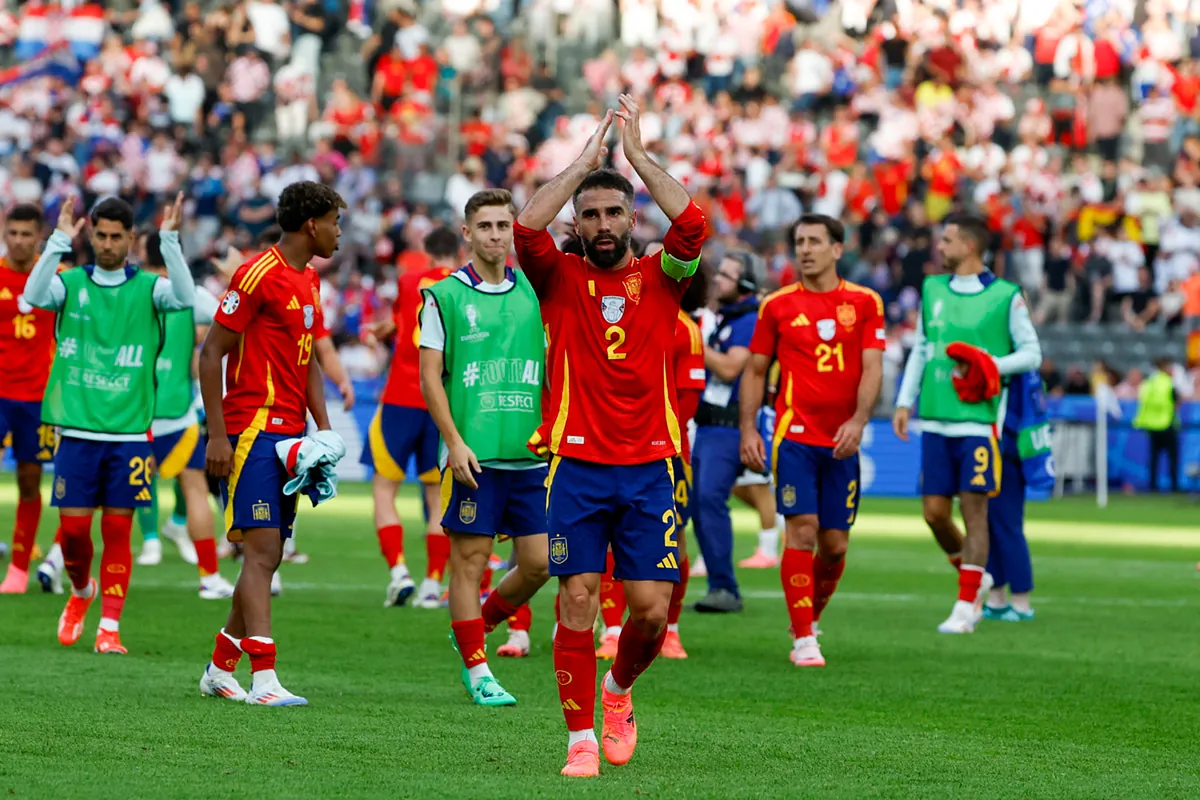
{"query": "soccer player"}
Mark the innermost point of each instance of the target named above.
(402, 428)
(828, 336)
(26, 352)
(959, 452)
(266, 323)
(178, 445)
(483, 353)
(718, 463)
(615, 429)
(101, 394)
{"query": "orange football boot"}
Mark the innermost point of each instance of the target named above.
(607, 650)
(672, 646)
(619, 733)
(583, 760)
(70, 624)
(109, 642)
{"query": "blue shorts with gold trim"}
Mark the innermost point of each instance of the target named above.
(630, 507)
(253, 492)
(683, 491)
(96, 474)
(397, 434)
(954, 464)
(21, 428)
(809, 480)
(178, 451)
(508, 502)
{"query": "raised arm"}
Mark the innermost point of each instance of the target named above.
(547, 201)
(41, 290)
(179, 290)
(667, 192)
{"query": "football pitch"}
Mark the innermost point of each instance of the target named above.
(1098, 697)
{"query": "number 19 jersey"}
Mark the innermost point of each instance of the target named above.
(277, 310)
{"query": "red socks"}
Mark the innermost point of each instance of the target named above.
(522, 619)
(575, 671)
(635, 653)
(391, 544)
(557, 616)
(227, 653)
(206, 557)
(495, 610)
(29, 514)
(678, 593)
(437, 552)
(261, 651)
(826, 577)
(955, 561)
(797, 577)
(77, 549)
(469, 635)
(969, 579)
(485, 583)
(116, 565)
(612, 597)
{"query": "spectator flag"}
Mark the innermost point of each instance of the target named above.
(57, 61)
(44, 25)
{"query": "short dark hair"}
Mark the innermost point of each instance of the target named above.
(115, 209)
(573, 246)
(606, 179)
(25, 212)
(441, 243)
(488, 198)
(833, 227)
(154, 257)
(974, 228)
(305, 200)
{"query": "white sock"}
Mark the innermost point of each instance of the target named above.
(55, 556)
(479, 671)
(1020, 601)
(107, 624)
(399, 572)
(430, 586)
(996, 598)
(575, 737)
(263, 679)
(236, 642)
(614, 630)
(673, 628)
(963, 607)
(611, 685)
(768, 542)
(83, 593)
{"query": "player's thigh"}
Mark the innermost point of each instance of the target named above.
(531, 553)
(645, 542)
(473, 511)
(580, 498)
(127, 472)
(524, 502)
(840, 489)
(978, 464)
(253, 492)
(648, 598)
(798, 479)
(194, 484)
(391, 438)
(939, 466)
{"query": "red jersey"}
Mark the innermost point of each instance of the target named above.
(689, 376)
(26, 339)
(277, 310)
(610, 360)
(404, 380)
(819, 339)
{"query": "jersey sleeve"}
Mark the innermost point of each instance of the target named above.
(242, 301)
(680, 255)
(538, 256)
(205, 308)
(433, 332)
(766, 330)
(689, 358)
(874, 336)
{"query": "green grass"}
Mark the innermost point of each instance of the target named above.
(1096, 698)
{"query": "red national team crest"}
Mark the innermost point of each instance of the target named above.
(846, 315)
(633, 287)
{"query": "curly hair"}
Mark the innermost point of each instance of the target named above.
(305, 200)
(113, 209)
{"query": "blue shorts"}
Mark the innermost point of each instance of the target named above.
(954, 464)
(809, 480)
(178, 451)
(21, 427)
(628, 507)
(253, 492)
(508, 502)
(683, 491)
(91, 474)
(397, 434)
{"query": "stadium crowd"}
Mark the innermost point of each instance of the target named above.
(1072, 126)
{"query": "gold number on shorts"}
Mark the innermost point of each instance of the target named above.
(668, 518)
(825, 352)
(615, 336)
(23, 327)
(851, 496)
(305, 344)
(141, 470)
(681, 494)
(46, 437)
(982, 458)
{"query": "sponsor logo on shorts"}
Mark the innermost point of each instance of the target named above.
(144, 495)
(558, 549)
(979, 480)
(60, 487)
(466, 512)
(668, 563)
(261, 512)
(789, 495)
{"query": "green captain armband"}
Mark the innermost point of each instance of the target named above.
(678, 268)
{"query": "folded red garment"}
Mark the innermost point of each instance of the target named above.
(976, 378)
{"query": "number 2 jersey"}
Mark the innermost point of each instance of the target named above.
(26, 340)
(612, 340)
(277, 310)
(404, 379)
(819, 339)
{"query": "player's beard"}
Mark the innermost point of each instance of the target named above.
(607, 259)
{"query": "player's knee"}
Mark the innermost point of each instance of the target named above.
(833, 549)
(936, 517)
(650, 620)
(29, 484)
(574, 602)
(801, 532)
